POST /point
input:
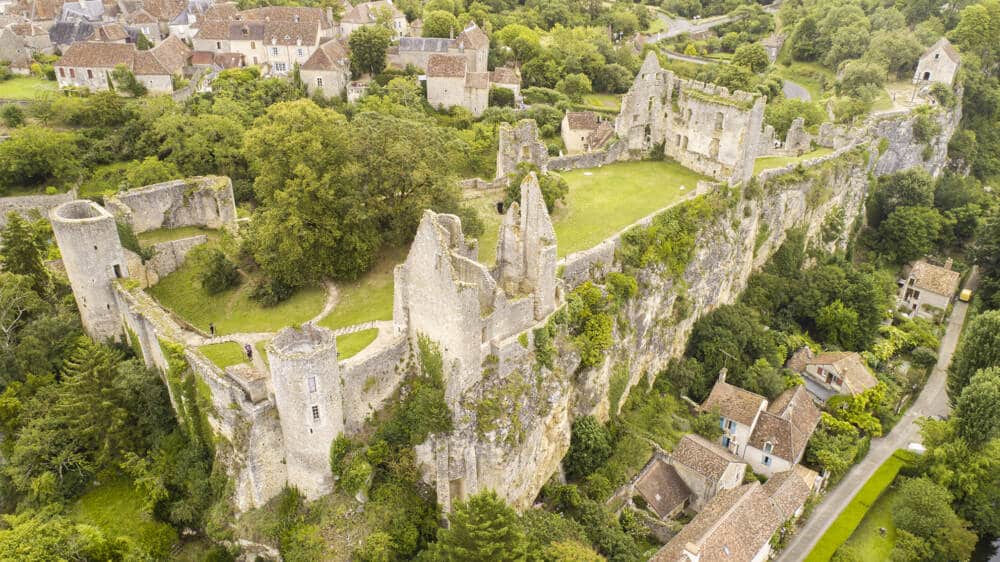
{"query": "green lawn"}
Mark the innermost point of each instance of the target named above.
(611, 102)
(868, 542)
(808, 75)
(114, 507)
(849, 519)
(25, 88)
(769, 162)
(167, 234)
(224, 354)
(602, 201)
(349, 345)
(369, 298)
(232, 310)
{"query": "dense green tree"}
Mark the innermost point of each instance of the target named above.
(861, 78)
(215, 272)
(482, 528)
(781, 112)
(524, 43)
(896, 50)
(752, 56)
(368, 47)
(151, 170)
(978, 349)
(125, 80)
(838, 325)
(923, 509)
(977, 410)
(197, 145)
(590, 446)
(11, 116)
(35, 156)
(22, 250)
(985, 253)
(909, 233)
(439, 23)
(575, 86)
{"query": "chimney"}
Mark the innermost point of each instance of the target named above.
(692, 552)
(947, 263)
(722, 374)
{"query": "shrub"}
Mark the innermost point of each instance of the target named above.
(589, 447)
(12, 116)
(215, 272)
(267, 291)
(501, 97)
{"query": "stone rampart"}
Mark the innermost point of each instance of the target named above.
(167, 258)
(370, 379)
(199, 201)
(27, 205)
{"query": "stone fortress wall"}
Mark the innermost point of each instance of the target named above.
(484, 320)
(200, 201)
(26, 205)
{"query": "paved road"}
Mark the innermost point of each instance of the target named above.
(794, 91)
(932, 401)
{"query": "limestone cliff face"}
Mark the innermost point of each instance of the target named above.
(514, 425)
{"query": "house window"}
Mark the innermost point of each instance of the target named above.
(218, 45)
(768, 447)
(312, 384)
(315, 413)
(722, 422)
(72, 73)
(62, 72)
(767, 460)
(937, 56)
(927, 76)
(280, 67)
(319, 81)
(90, 73)
(732, 426)
(118, 271)
(274, 51)
(726, 441)
(300, 52)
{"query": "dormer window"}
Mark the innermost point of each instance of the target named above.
(768, 447)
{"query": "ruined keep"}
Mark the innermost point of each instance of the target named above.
(309, 396)
(92, 254)
(703, 126)
(520, 143)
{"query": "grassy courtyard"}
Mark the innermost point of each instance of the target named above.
(369, 298)
(25, 88)
(602, 201)
(233, 310)
(349, 345)
(862, 503)
(770, 162)
(113, 507)
(168, 234)
(224, 354)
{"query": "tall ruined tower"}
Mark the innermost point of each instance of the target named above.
(87, 236)
(309, 396)
(526, 249)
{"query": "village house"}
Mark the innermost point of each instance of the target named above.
(328, 69)
(278, 44)
(738, 411)
(89, 64)
(506, 77)
(472, 42)
(830, 373)
(938, 64)
(293, 14)
(779, 438)
(584, 131)
(141, 21)
(926, 289)
(19, 41)
(368, 13)
(450, 84)
(737, 524)
(771, 437)
(191, 14)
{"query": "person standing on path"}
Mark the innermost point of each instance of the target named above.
(249, 351)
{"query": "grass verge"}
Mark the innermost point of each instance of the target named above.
(349, 345)
(25, 88)
(770, 162)
(851, 516)
(224, 354)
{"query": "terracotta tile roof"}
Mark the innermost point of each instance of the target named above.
(850, 366)
(90, 54)
(202, 58)
(948, 49)
(27, 29)
(164, 10)
(139, 16)
(221, 12)
(446, 66)
(472, 38)
(111, 32)
(700, 455)
(787, 424)
(505, 75)
(788, 492)
(295, 14)
(599, 137)
(228, 60)
(172, 54)
(332, 55)
(291, 33)
(477, 80)
(734, 403)
(581, 120)
(930, 277)
(46, 9)
(732, 527)
(365, 13)
(662, 488)
(144, 63)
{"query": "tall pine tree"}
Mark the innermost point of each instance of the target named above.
(22, 252)
(482, 528)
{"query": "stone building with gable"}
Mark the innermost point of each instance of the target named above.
(938, 64)
(927, 288)
(449, 83)
(832, 372)
(328, 70)
(584, 131)
(738, 410)
(368, 13)
(89, 64)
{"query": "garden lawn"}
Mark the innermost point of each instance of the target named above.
(232, 310)
(168, 234)
(368, 298)
(869, 543)
(113, 507)
(602, 201)
(769, 162)
(851, 516)
(25, 88)
(349, 345)
(224, 354)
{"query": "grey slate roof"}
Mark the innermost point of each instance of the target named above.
(425, 44)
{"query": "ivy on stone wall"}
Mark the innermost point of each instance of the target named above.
(670, 239)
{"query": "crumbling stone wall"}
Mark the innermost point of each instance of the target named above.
(370, 379)
(167, 258)
(200, 201)
(520, 143)
(26, 205)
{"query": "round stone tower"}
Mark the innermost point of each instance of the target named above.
(308, 394)
(92, 255)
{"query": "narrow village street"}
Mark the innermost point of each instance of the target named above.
(933, 401)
